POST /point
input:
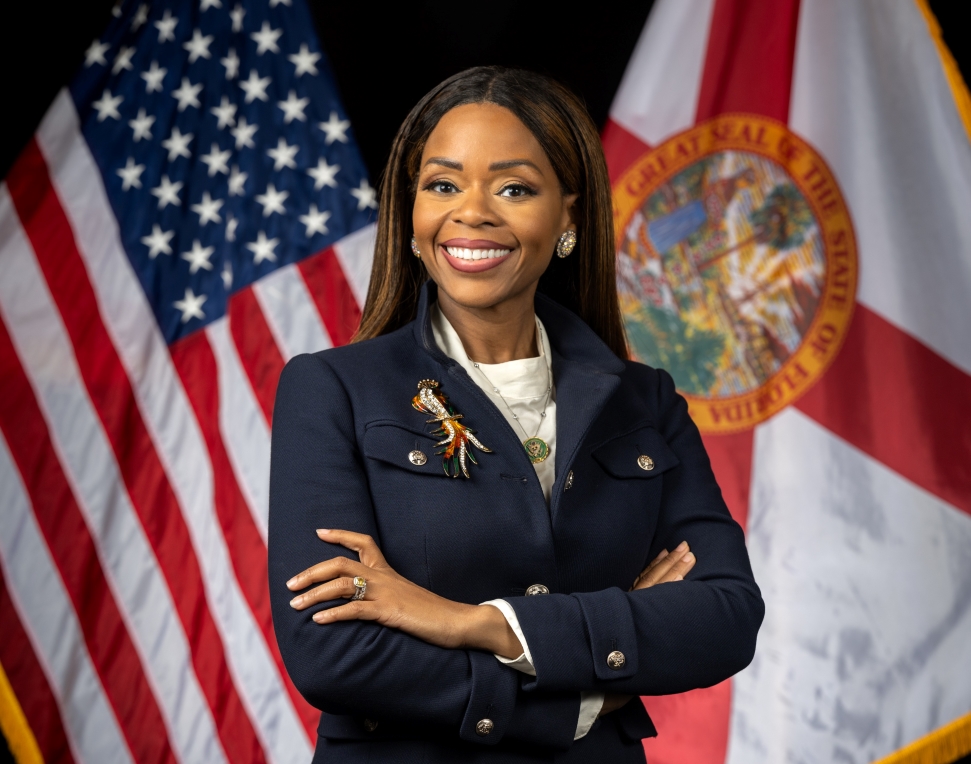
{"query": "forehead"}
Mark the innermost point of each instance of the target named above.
(483, 132)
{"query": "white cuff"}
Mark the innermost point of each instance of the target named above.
(591, 704)
(524, 662)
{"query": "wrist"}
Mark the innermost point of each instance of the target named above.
(486, 628)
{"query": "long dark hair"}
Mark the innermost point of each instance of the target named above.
(584, 282)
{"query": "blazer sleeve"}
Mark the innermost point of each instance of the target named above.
(673, 637)
(317, 480)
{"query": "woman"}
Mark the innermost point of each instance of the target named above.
(460, 499)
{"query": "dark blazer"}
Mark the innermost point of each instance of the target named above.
(343, 427)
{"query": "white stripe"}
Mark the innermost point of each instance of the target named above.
(355, 253)
(659, 93)
(870, 94)
(125, 554)
(47, 614)
(291, 313)
(175, 433)
(867, 585)
(242, 425)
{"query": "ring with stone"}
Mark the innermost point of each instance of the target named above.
(360, 586)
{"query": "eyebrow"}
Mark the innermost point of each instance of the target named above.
(494, 167)
(450, 163)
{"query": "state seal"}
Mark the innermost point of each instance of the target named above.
(736, 266)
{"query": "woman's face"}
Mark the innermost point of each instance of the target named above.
(489, 208)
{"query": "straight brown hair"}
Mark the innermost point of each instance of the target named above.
(584, 282)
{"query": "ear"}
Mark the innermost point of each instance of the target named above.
(568, 221)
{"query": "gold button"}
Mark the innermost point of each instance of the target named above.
(483, 727)
(569, 481)
(645, 462)
(417, 458)
(616, 660)
(536, 589)
(370, 725)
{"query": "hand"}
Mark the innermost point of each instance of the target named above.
(394, 601)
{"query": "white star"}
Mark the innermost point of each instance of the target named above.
(190, 305)
(324, 174)
(255, 87)
(208, 209)
(283, 155)
(266, 39)
(305, 61)
(236, 14)
(167, 192)
(272, 200)
(131, 174)
(188, 94)
(231, 62)
(116, 10)
(153, 78)
(207, 4)
(142, 126)
(227, 274)
(198, 257)
(275, 3)
(140, 17)
(123, 60)
(216, 160)
(293, 108)
(95, 54)
(158, 241)
(198, 46)
(226, 113)
(177, 144)
(243, 133)
(107, 106)
(335, 128)
(316, 222)
(365, 195)
(231, 224)
(166, 27)
(236, 181)
(262, 248)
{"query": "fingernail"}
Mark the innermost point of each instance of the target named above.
(323, 531)
(679, 578)
(291, 583)
(319, 617)
(295, 601)
(664, 553)
(682, 546)
(688, 557)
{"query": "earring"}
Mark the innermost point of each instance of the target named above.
(568, 240)
(414, 248)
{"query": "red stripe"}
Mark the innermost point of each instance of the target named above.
(257, 349)
(155, 503)
(731, 461)
(621, 148)
(29, 683)
(896, 400)
(196, 363)
(693, 726)
(72, 548)
(332, 295)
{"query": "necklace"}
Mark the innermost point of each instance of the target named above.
(537, 449)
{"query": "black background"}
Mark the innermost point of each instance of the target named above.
(385, 57)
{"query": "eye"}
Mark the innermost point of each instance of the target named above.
(516, 191)
(441, 187)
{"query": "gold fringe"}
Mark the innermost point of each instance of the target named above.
(942, 746)
(959, 90)
(20, 738)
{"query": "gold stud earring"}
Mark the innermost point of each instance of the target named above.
(414, 248)
(568, 240)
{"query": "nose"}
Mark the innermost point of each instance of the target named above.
(476, 208)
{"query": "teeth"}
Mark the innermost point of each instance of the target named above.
(476, 254)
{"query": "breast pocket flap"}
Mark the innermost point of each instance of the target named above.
(642, 454)
(402, 447)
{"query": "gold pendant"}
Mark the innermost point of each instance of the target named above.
(537, 449)
(455, 449)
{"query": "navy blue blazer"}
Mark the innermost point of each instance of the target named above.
(343, 427)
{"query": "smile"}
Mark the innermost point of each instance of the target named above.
(474, 256)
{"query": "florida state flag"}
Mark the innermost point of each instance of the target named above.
(792, 201)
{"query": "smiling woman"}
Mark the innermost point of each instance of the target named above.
(513, 612)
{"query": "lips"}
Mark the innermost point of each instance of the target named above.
(474, 255)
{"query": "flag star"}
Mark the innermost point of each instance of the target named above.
(227, 274)
(266, 39)
(243, 133)
(177, 144)
(166, 27)
(365, 195)
(315, 221)
(198, 46)
(167, 192)
(116, 10)
(131, 174)
(236, 14)
(231, 62)
(225, 112)
(107, 106)
(283, 155)
(123, 60)
(272, 200)
(293, 108)
(262, 248)
(205, 5)
(216, 160)
(142, 126)
(305, 61)
(231, 224)
(198, 257)
(255, 87)
(140, 17)
(188, 94)
(275, 3)
(95, 54)
(208, 209)
(190, 305)
(324, 174)
(153, 77)
(236, 181)
(335, 128)
(158, 241)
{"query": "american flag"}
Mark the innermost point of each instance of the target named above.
(191, 213)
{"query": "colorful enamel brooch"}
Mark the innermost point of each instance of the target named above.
(455, 450)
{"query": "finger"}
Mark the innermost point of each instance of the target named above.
(679, 570)
(365, 546)
(358, 610)
(332, 590)
(650, 566)
(656, 574)
(326, 570)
